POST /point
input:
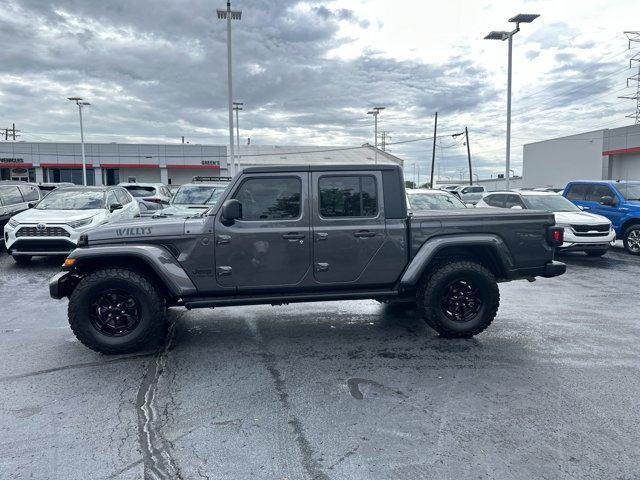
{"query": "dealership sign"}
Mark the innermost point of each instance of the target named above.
(213, 163)
(11, 160)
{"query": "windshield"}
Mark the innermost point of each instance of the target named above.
(434, 201)
(630, 191)
(139, 191)
(550, 203)
(72, 200)
(197, 195)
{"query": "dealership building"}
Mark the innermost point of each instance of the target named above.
(112, 163)
(607, 154)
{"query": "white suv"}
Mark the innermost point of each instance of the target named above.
(583, 231)
(54, 225)
(470, 193)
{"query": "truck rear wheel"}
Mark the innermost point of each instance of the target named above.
(116, 310)
(459, 299)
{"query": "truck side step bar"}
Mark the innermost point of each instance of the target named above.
(283, 298)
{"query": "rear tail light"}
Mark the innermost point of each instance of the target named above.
(555, 236)
(154, 200)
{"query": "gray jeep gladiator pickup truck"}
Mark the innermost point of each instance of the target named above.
(302, 234)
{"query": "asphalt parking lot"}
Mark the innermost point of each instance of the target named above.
(346, 390)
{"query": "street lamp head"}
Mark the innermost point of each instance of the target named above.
(84, 104)
(495, 35)
(378, 108)
(524, 18)
(74, 99)
(233, 14)
(372, 112)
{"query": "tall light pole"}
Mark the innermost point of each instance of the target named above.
(502, 35)
(237, 106)
(81, 104)
(375, 112)
(229, 15)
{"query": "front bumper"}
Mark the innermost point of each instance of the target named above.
(56, 285)
(65, 241)
(574, 241)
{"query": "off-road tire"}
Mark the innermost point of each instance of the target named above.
(431, 291)
(625, 239)
(22, 260)
(596, 253)
(148, 333)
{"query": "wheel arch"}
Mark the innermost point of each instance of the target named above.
(628, 223)
(155, 262)
(487, 249)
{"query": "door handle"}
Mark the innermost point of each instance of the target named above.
(322, 267)
(224, 271)
(321, 236)
(364, 234)
(222, 239)
(293, 236)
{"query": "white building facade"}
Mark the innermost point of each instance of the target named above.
(607, 154)
(112, 163)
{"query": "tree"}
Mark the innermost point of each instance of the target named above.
(409, 184)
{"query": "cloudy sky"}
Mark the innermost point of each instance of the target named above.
(308, 71)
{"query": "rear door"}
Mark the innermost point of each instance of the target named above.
(269, 246)
(12, 202)
(348, 225)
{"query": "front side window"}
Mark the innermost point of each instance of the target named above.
(270, 198)
(596, 192)
(495, 200)
(66, 199)
(10, 196)
(123, 198)
(512, 201)
(348, 196)
(30, 193)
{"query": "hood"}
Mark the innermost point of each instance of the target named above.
(579, 218)
(137, 228)
(34, 215)
(184, 210)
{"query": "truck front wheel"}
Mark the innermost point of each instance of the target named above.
(459, 299)
(631, 239)
(116, 310)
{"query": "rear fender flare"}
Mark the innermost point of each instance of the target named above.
(431, 247)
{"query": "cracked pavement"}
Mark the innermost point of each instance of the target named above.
(340, 390)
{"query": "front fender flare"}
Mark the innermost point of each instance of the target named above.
(431, 247)
(158, 258)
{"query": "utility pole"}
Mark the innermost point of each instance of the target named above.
(81, 104)
(385, 138)
(466, 134)
(183, 139)
(433, 154)
(229, 15)
(11, 132)
(634, 37)
(375, 111)
(501, 35)
(237, 106)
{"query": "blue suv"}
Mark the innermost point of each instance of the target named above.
(619, 201)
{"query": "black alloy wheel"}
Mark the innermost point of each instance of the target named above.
(461, 300)
(115, 313)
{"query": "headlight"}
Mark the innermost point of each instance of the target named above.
(13, 223)
(80, 223)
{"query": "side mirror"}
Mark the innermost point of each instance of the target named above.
(581, 207)
(516, 207)
(31, 204)
(469, 205)
(231, 210)
(114, 206)
(606, 200)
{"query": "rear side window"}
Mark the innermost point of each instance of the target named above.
(111, 198)
(270, 198)
(512, 201)
(10, 196)
(577, 191)
(139, 191)
(348, 196)
(496, 200)
(477, 189)
(29, 193)
(596, 192)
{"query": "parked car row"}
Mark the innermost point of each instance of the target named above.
(49, 219)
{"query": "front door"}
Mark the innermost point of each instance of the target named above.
(270, 245)
(348, 225)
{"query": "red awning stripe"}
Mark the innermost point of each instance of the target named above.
(622, 150)
(217, 167)
(130, 165)
(15, 165)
